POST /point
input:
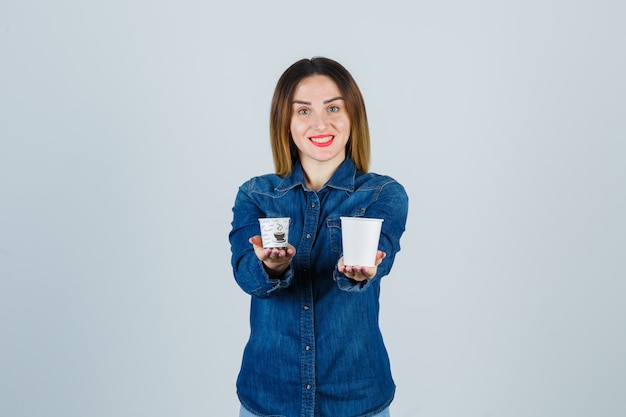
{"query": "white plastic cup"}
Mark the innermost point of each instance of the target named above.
(275, 232)
(360, 236)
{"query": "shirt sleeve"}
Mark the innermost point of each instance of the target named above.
(391, 203)
(248, 270)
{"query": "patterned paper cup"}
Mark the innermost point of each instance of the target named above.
(275, 232)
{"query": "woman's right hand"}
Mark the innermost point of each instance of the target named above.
(275, 260)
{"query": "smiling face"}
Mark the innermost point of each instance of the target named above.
(320, 125)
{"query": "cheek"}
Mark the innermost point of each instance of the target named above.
(345, 123)
(296, 129)
(346, 126)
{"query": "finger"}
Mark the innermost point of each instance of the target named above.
(380, 255)
(290, 251)
(359, 275)
(256, 241)
(356, 269)
(340, 266)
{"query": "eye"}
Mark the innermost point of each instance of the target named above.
(333, 109)
(303, 112)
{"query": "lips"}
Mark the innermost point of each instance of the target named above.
(322, 140)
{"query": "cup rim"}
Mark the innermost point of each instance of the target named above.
(371, 219)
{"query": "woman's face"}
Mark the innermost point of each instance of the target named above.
(320, 126)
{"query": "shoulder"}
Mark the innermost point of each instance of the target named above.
(260, 183)
(384, 193)
(382, 189)
(372, 180)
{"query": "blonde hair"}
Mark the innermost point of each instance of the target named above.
(284, 150)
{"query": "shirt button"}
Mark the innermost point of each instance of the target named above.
(308, 348)
(306, 307)
(308, 386)
(313, 205)
(308, 236)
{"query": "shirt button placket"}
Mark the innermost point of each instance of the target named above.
(309, 361)
(308, 324)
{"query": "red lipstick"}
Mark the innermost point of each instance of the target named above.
(322, 141)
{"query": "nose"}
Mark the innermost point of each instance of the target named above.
(319, 120)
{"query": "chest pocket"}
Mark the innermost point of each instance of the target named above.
(334, 231)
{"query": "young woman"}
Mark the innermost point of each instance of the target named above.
(315, 346)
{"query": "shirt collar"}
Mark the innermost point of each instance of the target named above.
(342, 179)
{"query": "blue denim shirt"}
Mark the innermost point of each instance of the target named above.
(315, 346)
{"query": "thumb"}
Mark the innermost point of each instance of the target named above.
(256, 241)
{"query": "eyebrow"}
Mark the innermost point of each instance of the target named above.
(308, 103)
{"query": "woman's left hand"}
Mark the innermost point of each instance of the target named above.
(361, 273)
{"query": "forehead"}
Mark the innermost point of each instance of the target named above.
(316, 86)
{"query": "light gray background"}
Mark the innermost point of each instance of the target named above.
(127, 126)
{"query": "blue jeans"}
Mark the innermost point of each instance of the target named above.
(245, 413)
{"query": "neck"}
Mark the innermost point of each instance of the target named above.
(318, 174)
